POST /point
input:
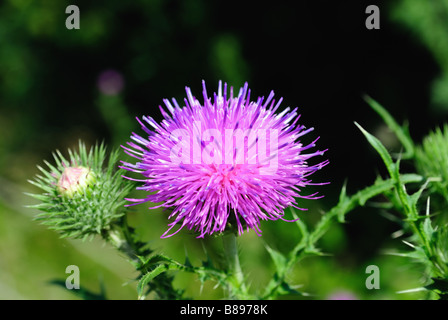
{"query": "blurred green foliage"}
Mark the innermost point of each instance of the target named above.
(428, 20)
(319, 59)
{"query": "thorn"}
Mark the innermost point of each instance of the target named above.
(412, 290)
(408, 243)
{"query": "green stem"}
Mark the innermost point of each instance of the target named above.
(236, 278)
(118, 239)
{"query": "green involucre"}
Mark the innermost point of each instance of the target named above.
(431, 160)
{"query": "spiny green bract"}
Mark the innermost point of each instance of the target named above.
(90, 210)
(432, 159)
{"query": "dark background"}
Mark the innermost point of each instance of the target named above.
(317, 55)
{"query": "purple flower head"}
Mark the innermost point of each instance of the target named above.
(229, 162)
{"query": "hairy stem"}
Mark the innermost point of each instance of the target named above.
(236, 277)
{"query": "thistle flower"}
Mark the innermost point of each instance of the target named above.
(232, 162)
(82, 196)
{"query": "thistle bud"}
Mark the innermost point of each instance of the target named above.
(83, 195)
(75, 179)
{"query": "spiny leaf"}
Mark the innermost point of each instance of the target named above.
(279, 259)
(343, 201)
(207, 263)
(348, 203)
(158, 259)
(381, 149)
(401, 132)
(187, 262)
(303, 230)
(427, 229)
(145, 279)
